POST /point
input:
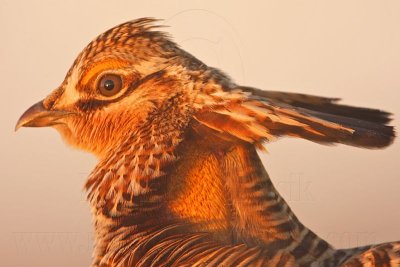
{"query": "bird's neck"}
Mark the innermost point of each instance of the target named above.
(214, 187)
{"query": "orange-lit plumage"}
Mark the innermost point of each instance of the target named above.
(179, 182)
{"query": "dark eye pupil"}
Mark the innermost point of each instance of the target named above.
(109, 85)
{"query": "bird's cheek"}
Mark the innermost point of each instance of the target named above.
(67, 135)
(91, 132)
(72, 131)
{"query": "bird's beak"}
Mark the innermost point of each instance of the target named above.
(38, 116)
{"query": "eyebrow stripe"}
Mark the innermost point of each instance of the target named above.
(100, 66)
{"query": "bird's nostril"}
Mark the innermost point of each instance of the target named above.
(49, 102)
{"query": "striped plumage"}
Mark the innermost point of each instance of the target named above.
(179, 182)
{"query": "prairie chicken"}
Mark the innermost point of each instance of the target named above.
(179, 182)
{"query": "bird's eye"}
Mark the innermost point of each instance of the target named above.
(110, 84)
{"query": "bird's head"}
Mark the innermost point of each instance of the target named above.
(129, 81)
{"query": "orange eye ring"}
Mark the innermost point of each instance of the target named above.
(109, 84)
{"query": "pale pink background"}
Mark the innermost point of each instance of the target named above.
(348, 49)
